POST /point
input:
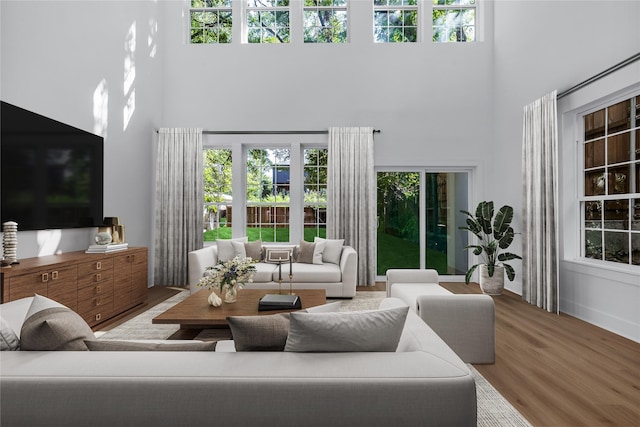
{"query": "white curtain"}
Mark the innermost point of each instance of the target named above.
(179, 220)
(540, 201)
(351, 207)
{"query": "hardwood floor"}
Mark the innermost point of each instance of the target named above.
(556, 370)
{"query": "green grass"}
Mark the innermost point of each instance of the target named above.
(268, 234)
(395, 252)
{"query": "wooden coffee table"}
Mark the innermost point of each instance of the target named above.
(195, 314)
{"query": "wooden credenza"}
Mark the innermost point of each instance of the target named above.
(96, 286)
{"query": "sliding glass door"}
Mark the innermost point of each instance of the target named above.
(418, 220)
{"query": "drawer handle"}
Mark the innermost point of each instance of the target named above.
(54, 275)
(98, 289)
(45, 277)
(98, 316)
(98, 265)
(98, 302)
(98, 277)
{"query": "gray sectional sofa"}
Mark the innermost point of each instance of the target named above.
(337, 279)
(423, 383)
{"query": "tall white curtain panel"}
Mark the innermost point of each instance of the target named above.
(351, 186)
(540, 201)
(179, 220)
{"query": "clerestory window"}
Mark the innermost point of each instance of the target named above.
(210, 21)
(268, 21)
(395, 21)
(454, 20)
(325, 21)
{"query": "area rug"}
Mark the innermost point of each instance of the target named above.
(493, 409)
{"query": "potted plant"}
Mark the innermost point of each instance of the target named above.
(495, 235)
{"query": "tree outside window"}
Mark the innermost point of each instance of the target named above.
(454, 21)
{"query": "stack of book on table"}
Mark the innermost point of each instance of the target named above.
(103, 249)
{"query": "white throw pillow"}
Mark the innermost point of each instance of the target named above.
(8, 339)
(377, 330)
(332, 251)
(226, 249)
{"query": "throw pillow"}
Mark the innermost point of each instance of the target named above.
(324, 308)
(377, 330)
(226, 251)
(275, 254)
(259, 333)
(117, 345)
(254, 250)
(332, 251)
(52, 326)
(305, 252)
(8, 339)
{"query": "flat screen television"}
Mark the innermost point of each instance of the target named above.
(51, 174)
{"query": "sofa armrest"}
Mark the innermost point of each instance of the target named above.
(349, 269)
(465, 322)
(397, 275)
(198, 262)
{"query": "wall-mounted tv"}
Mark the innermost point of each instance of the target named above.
(51, 174)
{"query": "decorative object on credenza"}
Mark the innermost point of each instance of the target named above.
(103, 238)
(112, 226)
(214, 300)
(228, 276)
(103, 249)
(495, 235)
(279, 302)
(10, 242)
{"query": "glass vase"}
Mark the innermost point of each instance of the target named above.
(230, 293)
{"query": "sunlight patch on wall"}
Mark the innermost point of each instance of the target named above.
(129, 76)
(101, 109)
(151, 39)
(48, 242)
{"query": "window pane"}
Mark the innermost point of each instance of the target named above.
(616, 247)
(594, 125)
(454, 25)
(594, 183)
(619, 180)
(268, 195)
(593, 214)
(217, 194)
(594, 154)
(445, 196)
(635, 249)
(325, 26)
(619, 148)
(398, 209)
(619, 117)
(635, 215)
(616, 214)
(315, 193)
(593, 244)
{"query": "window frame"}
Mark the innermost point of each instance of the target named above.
(475, 6)
(332, 8)
(239, 146)
(418, 7)
(247, 9)
(217, 9)
(582, 199)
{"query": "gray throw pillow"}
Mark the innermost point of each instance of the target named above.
(116, 345)
(226, 249)
(259, 333)
(254, 250)
(56, 328)
(377, 330)
(305, 252)
(8, 339)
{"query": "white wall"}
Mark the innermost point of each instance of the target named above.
(541, 46)
(79, 63)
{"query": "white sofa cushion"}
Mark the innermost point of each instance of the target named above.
(377, 330)
(311, 273)
(265, 272)
(127, 345)
(227, 251)
(332, 251)
(409, 292)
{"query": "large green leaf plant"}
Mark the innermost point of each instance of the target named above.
(495, 235)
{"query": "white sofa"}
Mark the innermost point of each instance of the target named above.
(338, 280)
(466, 322)
(423, 383)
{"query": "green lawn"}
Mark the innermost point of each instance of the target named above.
(268, 234)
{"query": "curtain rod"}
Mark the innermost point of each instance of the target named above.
(600, 75)
(268, 132)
